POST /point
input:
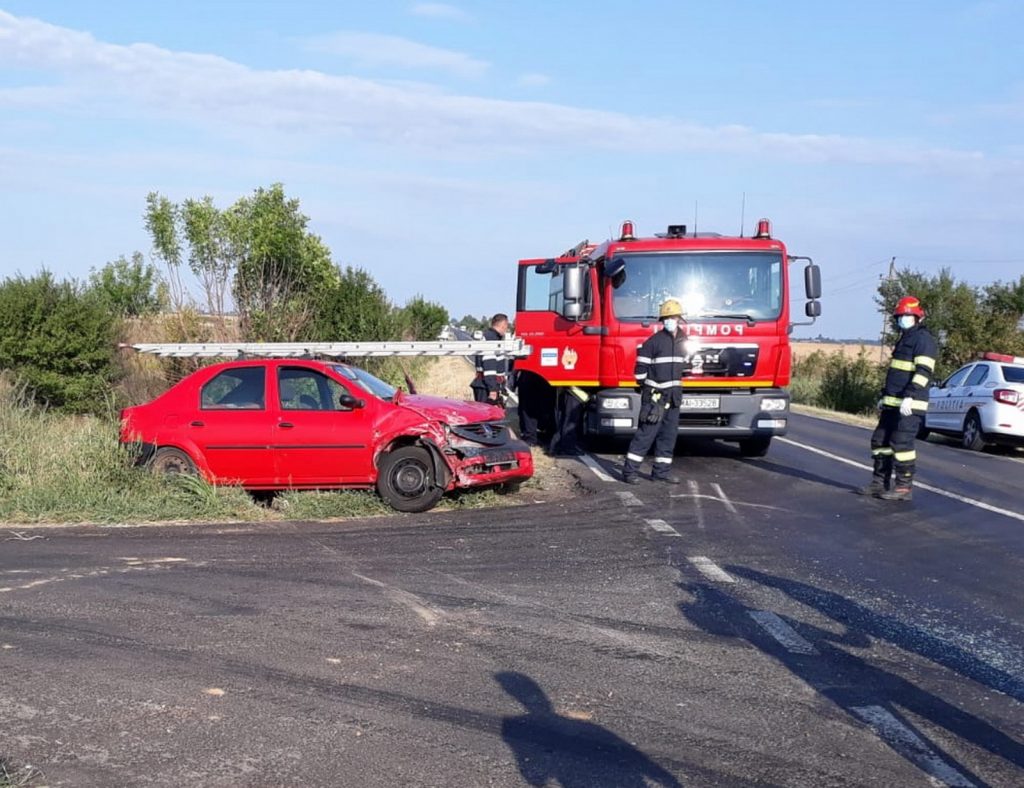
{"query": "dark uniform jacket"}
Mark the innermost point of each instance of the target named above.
(660, 363)
(910, 370)
(491, 370)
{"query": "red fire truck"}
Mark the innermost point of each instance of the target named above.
(585, 312)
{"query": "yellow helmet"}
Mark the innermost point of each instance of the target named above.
(671, 308)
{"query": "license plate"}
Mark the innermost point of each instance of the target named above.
(699, 403)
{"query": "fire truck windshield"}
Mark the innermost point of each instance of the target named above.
(709, 285)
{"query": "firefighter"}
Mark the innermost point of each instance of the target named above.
(491, 371)
(660, 364)
(904, 402)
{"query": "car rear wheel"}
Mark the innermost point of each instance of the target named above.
(973, 438)
(755, 447)
(172, 462)
(406, 480)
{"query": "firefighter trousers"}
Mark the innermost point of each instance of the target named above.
(663, 436)
(892, 446)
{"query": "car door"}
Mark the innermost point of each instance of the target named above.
(232, 427)
(969, 395)
(318, 441)
(941, 403)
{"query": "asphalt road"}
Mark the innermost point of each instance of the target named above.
(759, 624)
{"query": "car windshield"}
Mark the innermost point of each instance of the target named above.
(374, 385)
(709, 285)
(1013, 374)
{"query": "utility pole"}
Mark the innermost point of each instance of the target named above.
(888, 280)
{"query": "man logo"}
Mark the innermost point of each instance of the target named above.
(569, 358)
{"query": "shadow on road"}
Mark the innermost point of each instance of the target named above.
(849, 681)
(796, 473)
(573, 753)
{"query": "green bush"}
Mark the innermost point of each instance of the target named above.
(837, 382)
(58, 339)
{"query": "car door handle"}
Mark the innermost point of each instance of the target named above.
(285, 425)
(197, 424)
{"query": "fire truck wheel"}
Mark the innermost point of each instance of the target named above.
(755, 447)
(406, 480)
(172, 462)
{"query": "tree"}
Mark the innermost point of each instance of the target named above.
(58, 340)
(421, 319)
(130, 288)
(354, 309)
(259, 249)
(972, 319)
(283, 271)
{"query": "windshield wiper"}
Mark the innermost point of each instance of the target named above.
(732, 316)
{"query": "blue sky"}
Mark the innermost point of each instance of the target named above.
(434, 144)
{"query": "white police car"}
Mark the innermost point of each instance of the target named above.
(981, 403)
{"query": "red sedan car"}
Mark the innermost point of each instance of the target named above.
(269, 424)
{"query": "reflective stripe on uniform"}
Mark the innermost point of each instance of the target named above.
(579, 393)
(905, 456)
(893, 402)
(490, 373)
(634, 458)
(641, 376)
(669, 360)
(919, 380)
(663, 460)
(643, 360)
(924, 361)
(668, 384)
(907, 366)
(885, 451)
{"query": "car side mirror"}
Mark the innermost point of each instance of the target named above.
(348, 402)
(812, 281)
(813, 309)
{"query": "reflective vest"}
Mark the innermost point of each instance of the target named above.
(910, 369)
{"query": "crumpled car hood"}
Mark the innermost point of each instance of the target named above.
(451, 411)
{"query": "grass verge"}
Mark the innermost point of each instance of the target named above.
(12, 776)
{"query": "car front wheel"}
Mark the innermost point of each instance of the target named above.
(406, 480)
(973, 438)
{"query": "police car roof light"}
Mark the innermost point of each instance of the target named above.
(1004, 357)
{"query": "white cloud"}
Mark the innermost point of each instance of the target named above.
(534, 80)
(438, 11)
(373, 50)
(142, 80)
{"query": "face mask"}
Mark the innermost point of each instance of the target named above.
(906, 321)
(670, 324)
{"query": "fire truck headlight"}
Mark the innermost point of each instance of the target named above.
(615, 403)
(773, 404)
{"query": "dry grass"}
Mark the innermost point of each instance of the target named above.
(851, 351)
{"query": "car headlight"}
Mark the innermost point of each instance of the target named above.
(773, 403)
(615, 403)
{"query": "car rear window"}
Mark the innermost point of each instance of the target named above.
(1013, 374)
(240, 388)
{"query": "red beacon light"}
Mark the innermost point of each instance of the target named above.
(1003, 357)
(627, 231)
(764, 229)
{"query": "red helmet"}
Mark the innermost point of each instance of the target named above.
(908, 305)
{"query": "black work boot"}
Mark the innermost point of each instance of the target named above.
(875, 487)
(666, 479)
(630, 478)
(901, 492)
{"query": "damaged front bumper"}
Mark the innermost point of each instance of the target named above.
(484, 454)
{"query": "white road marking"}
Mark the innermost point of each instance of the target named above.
(908, 744)
(711, 570)
(782, 632)
(595, 466)
(628, 499)
(662, 527)
(103, 571)
(725, 499)
(697, 505)
(420, 607)
(938, 491)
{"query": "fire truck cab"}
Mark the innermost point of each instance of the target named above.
(585, 313)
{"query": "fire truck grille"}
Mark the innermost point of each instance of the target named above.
(485, 432)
